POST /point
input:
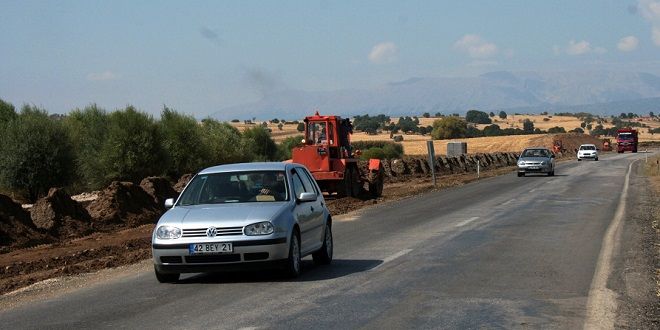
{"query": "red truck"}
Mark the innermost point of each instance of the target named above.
(626, 140)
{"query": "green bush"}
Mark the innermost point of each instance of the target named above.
(36, 154)
(181, 140)
(477, 117)
(132, 150)
(7, 113)
(378, 149)
(284, 148)
(88, 131)
(449, 128)
(259, 144)
(223, 142)
(374, 152)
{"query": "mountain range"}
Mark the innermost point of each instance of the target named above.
(597, 92)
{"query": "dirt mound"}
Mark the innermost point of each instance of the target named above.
(16, 228)
(159, 188)
(123, 203)
(570, 142)
(183, 181)
(60, 215)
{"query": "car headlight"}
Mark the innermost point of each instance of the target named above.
(543, 162)
(521, 163)
(168, 232)
(259, 228)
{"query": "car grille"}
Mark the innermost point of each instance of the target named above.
(533, 163)
(201, 232)
(213, 258)
(170, 259)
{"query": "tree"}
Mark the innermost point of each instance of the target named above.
(36, 154)
(448, 128)
(528, 126)
(88, 131)
(438, 114)
(426, 115)
(181, 136)
(280, 126)
(492, 130)
(502, 114)
(300, 127)
(275, 121)
(556, 129)
(223, 142)
(259, 144)
(491, 114)
(477, 117)
(7, 113)
(132, 150)
(284, 148)
(583, 124)
(651, 114)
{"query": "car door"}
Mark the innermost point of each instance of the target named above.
(310, 214)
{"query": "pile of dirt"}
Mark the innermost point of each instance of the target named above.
(123, 204)
(60, 215)
(159, 188)
(16, 227)
(183, 181)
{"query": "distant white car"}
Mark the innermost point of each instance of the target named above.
(587, 151)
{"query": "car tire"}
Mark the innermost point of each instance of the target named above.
(551, 173)
(521, 174)
(166, 277)
(324, 255)
(596, 159)
(294, 261)
(579, 159)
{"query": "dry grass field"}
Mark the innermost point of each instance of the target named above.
(416, 144)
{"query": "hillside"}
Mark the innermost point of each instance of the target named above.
(601, 92)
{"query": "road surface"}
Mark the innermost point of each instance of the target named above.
(503, 252)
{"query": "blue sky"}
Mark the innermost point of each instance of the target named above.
(202, 56)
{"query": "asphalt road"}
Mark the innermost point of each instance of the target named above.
(503, 252)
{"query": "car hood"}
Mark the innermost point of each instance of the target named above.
(222, 215)
(534, 159)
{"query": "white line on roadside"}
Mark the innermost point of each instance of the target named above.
(465, 222)
(393, 257)
(602, 304)
(507, 202)
(532, 190)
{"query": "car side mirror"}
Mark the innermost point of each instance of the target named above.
(552, 156)
(306, 197)
(169, 203)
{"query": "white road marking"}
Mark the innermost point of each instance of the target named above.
(507, 202)
(532, 190)
(393, 257)
(465, 222)
(601, 304)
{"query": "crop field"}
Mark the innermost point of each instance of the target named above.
(415, 144)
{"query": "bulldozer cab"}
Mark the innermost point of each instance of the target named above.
(321, 132)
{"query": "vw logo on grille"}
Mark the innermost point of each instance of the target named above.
(211, 232)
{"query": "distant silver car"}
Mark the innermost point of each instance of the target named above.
(536, 160)
(587, 151)
(238, 216)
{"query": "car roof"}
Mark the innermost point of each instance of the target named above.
(533, 148)
(239, 167)
(588, 144)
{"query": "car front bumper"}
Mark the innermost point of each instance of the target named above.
(587, 156)
(534, 168)
(246, 254)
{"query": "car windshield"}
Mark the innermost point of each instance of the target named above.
(236, 187)
(626, 136)
(587, 147)
(535, 153)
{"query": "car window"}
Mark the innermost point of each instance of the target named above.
(309, 186)
(235, 187)
(587, 148)
(535, 153)
(298, 186)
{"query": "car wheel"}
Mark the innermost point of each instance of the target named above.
(166, 277)
(521, 174)
(294, 262)
(324, 255)
(596, 159)
(579, 159)
(551, 173)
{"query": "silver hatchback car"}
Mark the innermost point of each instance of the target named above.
(536, 160)
(243, 216)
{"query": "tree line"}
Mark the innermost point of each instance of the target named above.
(88, 148)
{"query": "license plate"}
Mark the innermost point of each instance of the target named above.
(533, 167)
(203, 248)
